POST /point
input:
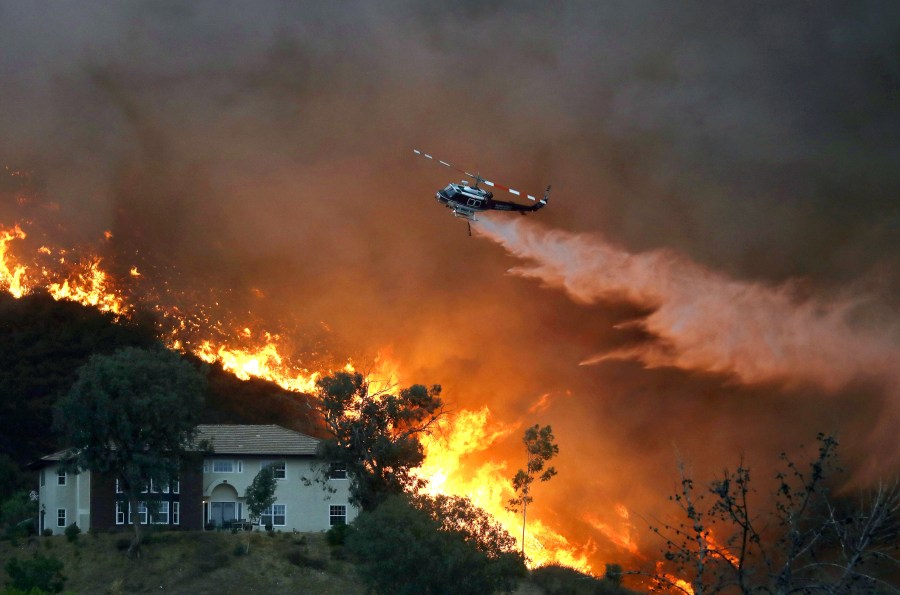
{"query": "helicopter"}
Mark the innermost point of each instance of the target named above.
(465, 201)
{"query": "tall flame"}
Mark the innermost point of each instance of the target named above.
(488, 486)
(13, 279)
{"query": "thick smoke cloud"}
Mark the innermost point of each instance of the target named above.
(264, 151)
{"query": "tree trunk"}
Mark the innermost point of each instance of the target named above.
(134, 550)
(524, 511)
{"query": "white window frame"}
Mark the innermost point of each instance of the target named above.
(275, 468)
(335, 512)
(61, 520)
(61, 478)
(120, 512)
(161, 510)
(176, 487)
(337, 468)
(142, 512)
(271, 515)
(236, 466)
(176, 512)
(118, 487)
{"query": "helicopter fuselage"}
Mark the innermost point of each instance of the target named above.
(466, 200)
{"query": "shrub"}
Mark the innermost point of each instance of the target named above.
(47, 532)
(337, 535)
(38, 573)
(123, 543)
(240, 550)
(72, 532)
(556, 579)
(432, 560)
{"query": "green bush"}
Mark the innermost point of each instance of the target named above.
(72, 532)
(556, 579)
(337, 535)
(123, 543)
(44, 573)
(401, 549)
(47, 532)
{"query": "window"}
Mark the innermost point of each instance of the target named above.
(60, 517)
(278, 467)
(142, 512)
(120, 512)
(61, 478)
(274, 515)
(176, 513)
(223, 466)
(337, 471)
(176, 487)
(338, 514)
(161, 515)
(118, 487)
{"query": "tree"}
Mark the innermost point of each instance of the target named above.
(375, 435)
(457, 514)
(132, 414)
(261, 494)
(539, 448)
(809, 541)
(402, 548)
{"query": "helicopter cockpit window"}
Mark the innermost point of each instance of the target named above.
(450, 190)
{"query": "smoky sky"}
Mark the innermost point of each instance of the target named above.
(264, 151)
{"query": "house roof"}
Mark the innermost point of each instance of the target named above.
(257, 440)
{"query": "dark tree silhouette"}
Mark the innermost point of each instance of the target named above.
(539, 448)
(132, 414)
(375, 435)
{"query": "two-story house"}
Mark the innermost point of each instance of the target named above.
(211, 496)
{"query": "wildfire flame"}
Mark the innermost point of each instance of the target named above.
(13, 279)
(488, 487)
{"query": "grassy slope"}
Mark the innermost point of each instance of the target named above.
(200, 563)
(196, 563)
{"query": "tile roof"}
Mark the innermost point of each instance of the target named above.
(257, 440)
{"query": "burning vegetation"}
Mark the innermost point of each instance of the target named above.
(260, 354)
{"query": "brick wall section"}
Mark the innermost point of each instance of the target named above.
(103, 503)
(192, 499)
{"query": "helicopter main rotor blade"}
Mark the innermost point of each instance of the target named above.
(475, 177)
(510, 190)
(444, 163)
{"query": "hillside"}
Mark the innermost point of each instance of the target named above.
(203, 563)
(196, 563)
(43, 342)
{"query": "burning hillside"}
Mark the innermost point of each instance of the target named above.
(68, 276)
